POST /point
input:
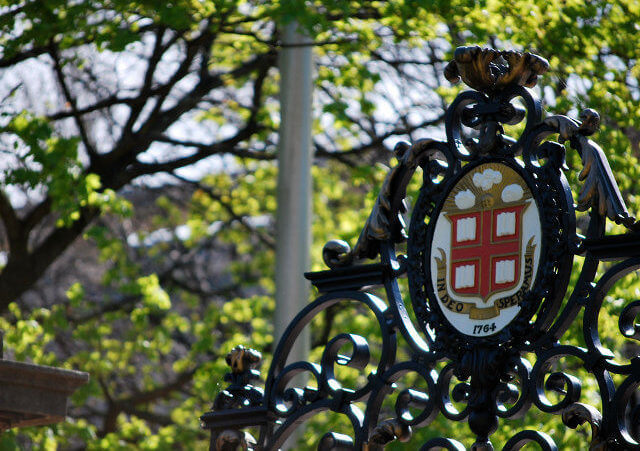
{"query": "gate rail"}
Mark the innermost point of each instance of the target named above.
(499, 342)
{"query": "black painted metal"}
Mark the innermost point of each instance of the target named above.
(480, 380)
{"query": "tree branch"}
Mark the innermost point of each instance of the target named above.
(266, 239)
(22, 56)
(127, 404)
(183, 69)
(377, 142)
(99, 105)
(20, 274)
(24, 269)
(55, 56)
(149, 417)
(261, 63)
(12, 225)
(162, 391)
(145, 89)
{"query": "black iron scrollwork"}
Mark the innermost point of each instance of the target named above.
(239, 405)
(490, 251)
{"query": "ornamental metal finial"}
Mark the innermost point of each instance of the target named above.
(489, 70)
(242, 359)
(386, 432)
(241, 393)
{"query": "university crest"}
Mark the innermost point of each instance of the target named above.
(485, 249)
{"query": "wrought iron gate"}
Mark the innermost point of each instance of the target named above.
(490, 251)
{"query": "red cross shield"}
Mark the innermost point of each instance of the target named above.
(486, 249)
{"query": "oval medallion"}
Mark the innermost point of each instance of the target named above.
(485, 250)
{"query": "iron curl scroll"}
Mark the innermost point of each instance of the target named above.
(432, 363)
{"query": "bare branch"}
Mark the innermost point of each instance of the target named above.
(193, 46)
(53, 52)
(146, 89)
(12, 225)
(377, 142)
(101, 104)
(37, 214)
(23, 56)
(162, 120)
(204, 150)
(395, 62)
